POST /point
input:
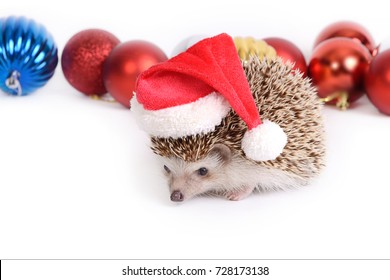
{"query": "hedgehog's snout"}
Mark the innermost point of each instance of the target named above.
(177, 196)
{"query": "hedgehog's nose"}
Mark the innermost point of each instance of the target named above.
(177, 196)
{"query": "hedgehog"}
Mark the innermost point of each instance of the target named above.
(214, 163)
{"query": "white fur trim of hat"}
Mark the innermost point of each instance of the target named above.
(201, 116)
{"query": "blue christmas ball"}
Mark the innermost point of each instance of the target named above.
(28, 55)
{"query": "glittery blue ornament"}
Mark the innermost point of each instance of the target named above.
(28, 55)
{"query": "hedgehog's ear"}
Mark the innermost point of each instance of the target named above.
(222, 151)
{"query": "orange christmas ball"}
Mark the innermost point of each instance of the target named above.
(83, 57)
(125, 63)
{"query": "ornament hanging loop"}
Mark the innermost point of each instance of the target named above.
(13, 82)
(341, 98)
(105, 97)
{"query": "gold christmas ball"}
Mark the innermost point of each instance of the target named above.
(248, 46)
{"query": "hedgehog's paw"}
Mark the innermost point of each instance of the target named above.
(239, 194)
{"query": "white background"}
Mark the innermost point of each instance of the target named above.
(77, 179)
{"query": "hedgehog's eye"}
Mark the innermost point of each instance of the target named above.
(202, 171)
(167, 169)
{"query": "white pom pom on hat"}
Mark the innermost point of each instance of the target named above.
(264, 141)
(192, 92)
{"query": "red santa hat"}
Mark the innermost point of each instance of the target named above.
(192, 92)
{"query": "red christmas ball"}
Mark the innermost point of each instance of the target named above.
(125, 63)
(83, 57)
(337, 67)
(288, 52)
(348, 29)
(377, 82)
